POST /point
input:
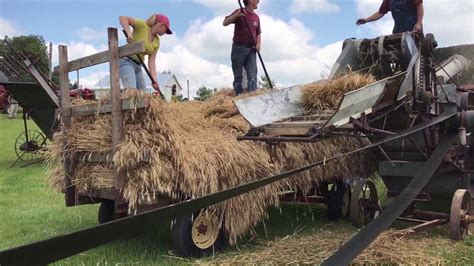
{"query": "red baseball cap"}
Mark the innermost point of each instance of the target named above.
(165, 20)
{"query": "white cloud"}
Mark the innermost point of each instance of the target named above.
(313, 6)
(219, 6)
(185, 63)
(304, 69)
(452, 22)
(167, 42)
(209, 38)
(7, 28)
(296, 36)
(89, 80)
(225, 7)
(88, 34)
(77, 50)
(202, 53)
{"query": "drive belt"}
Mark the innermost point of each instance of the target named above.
(345, 254)
(60, 247)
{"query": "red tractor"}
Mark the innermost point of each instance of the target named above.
(3, 99)
(85, 93)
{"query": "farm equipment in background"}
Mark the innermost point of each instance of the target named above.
(38, 96)
(83, 93)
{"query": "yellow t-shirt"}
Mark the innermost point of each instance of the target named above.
(141, 31)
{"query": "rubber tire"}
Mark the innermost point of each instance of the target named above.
(335, 201)
(182, 242)
(106, 211)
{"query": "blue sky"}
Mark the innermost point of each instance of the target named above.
(301, 39)
(59, 20)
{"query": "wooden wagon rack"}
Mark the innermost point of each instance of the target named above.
(116, 107)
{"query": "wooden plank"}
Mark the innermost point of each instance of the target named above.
(103, 57)
(70, 190)
(323, 115)
(97, 157)
(297, 131)
(99, 194)
(42, 82)
(50, 61)
(117, 117)
(302, 124)
(94, 108)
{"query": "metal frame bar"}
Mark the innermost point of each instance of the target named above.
(366, 235)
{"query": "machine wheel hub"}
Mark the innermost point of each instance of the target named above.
(205, 230)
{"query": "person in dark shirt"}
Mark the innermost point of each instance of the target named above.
(407, 15)
(244, 50)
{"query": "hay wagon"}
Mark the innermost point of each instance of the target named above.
(192, 235)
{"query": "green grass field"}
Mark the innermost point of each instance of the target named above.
(31, 211)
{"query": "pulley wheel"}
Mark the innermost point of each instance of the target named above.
(364, 205)
(461, 208)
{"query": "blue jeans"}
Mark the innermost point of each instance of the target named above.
(131, 74)
(244, 57)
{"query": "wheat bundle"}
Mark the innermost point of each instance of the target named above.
(326, 95)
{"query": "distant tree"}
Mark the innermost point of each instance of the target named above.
(264, 83)
(34, 48)
(203, 94)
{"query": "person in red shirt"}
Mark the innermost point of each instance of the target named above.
(407, 15)
(244, 50)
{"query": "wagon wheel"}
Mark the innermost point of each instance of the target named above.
(364, 204)
(461, 208)
(29, 150)
(197, 235)
(338, 200)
